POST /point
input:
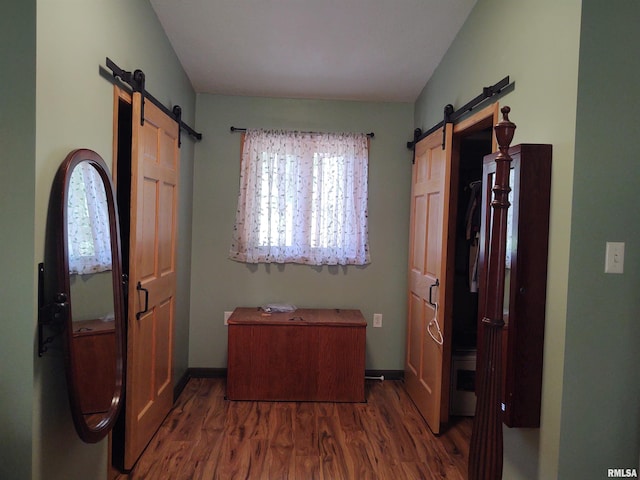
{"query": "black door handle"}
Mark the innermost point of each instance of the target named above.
(437, 284)
(140, 288)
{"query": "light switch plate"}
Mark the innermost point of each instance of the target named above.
(614, 258)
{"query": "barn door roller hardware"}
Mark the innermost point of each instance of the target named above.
(451, 116)
(136, 80)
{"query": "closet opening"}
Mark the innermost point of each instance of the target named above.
(123, 177)
(123, 112)
(471, 149)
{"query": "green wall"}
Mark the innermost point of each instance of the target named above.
(536, 44)
(590, 389)
(220, 284)
(600, 412)
(66, 105)
(17, 196)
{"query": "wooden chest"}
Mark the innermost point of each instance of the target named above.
(94, 344)
(305, 355)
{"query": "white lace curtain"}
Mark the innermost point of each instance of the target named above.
(303, 199)
(88, 233)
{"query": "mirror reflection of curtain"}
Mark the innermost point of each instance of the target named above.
(89, 242)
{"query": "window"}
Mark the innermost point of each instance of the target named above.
(303, 199)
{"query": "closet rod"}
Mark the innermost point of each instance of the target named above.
(136, 81)
(237, 129)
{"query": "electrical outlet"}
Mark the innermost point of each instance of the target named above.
(226, 317)
(377, 320)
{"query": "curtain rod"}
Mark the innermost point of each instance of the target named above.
(136, 81)
(237, 129)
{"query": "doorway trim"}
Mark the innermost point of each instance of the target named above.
(483, 119)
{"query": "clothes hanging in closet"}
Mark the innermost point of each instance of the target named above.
(472, 234)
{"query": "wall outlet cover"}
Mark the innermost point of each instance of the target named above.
(614, 257)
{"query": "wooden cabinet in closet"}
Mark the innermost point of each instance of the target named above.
(526, 278)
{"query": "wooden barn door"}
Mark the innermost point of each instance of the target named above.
(152, 275)
(428, 356)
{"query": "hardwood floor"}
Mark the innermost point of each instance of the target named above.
(208, 437)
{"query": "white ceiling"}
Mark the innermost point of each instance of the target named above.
(373, 50)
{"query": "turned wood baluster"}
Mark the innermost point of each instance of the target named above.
(485, 450)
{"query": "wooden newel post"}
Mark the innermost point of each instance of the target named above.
(485, 450)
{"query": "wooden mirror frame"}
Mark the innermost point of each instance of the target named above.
(55, 294)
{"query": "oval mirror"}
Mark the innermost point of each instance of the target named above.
(83, 290)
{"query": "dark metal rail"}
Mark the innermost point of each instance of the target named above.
(451, 116)
(136, 81)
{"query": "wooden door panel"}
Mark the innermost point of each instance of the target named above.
(167, 228)
(168, 157)
(421, 169)
(415, 331)
(142, 358)
(425, 379)
(153, 359)
(145, 255)
(434, 246)
(164, 347)
(431, 378)
(435, 167)
(154, 184)
(419, 254)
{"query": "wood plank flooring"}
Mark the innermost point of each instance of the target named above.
(208, 437)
